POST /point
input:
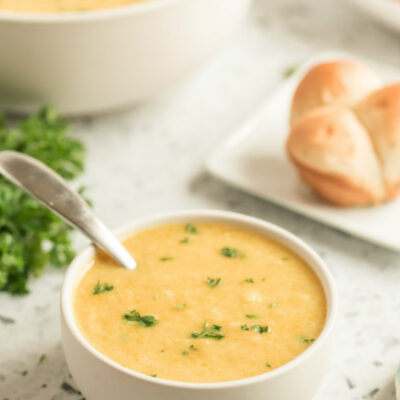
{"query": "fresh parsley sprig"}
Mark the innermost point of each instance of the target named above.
(31, 236)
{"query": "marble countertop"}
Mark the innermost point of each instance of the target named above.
(127, 177)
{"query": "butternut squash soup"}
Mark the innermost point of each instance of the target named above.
(207, 303)
(61, 6)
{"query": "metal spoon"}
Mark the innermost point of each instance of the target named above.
(50, 189)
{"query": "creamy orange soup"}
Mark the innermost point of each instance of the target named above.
(60, 6)
(206, 303)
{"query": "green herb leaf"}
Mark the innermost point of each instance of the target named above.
(209, 332)
(42, 359)
(192, 347)
(252, 315)
(213, 282)
(190, 228)
(180, 306)
(269, 365)
(249, 280)
(7, 320)
(31, 236)
(260, 329)
(153, 375)
(145, 321)
(307, 340)
(289, 71)
(166, 258)
(231, 253)
(244, 327)
(185, 240)
(102, 287)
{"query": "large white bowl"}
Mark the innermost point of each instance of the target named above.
(100, 378)
(90, 61)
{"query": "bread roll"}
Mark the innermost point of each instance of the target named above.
(380, 114)
(334, 155)
(342, 82)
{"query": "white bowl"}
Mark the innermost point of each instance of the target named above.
(90, 61)
(100, 378)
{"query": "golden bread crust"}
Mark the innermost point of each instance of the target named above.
(335, 156)
(341, 82)
(380, 114)
(338, 190)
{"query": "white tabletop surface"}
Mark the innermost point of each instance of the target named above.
(150, 158)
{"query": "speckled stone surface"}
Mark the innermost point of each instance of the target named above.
(150, 158)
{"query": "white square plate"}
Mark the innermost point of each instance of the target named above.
(254, 160)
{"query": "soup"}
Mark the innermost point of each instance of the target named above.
(207, 303)
(60, 6)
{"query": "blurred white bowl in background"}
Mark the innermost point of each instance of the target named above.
(91, 61)
(387, 12)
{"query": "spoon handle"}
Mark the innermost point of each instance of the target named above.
(50, 189)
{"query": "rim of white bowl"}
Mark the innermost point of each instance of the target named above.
(81, 264)
(89, 15)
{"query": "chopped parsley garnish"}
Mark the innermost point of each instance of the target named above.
(166, 258)
(70, 389)
(272, 305)
(260, 329)
(307, 340)
(209, 332)
(249, 280)
(42, 358)
(289, 71)
(191, 348)
(153, 375)
(145, 321)
(231, 253)
(180, 306)
(7, 320)
(269, 365)
(213, 282)
(185, 240)
(190, 228)
(102, 287)
(31, 236)
(252, 315)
